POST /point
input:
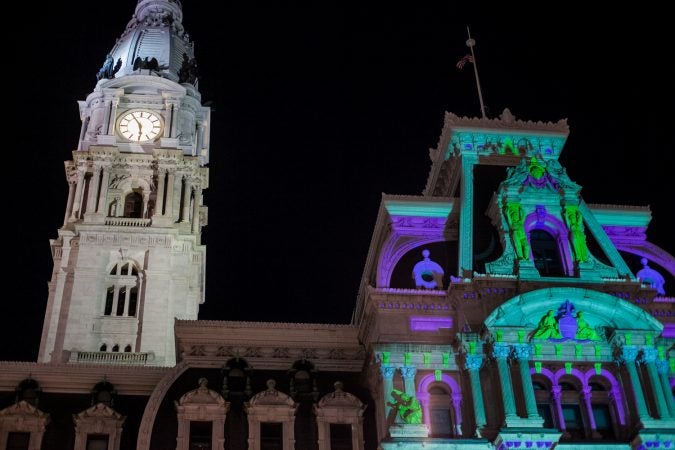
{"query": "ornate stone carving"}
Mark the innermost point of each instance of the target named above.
(473, 362)
(501, 351)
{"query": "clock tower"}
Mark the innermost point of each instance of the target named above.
(128, 259)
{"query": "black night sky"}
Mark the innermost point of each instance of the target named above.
(317, 110)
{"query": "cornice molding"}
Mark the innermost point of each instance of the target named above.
(80, 378)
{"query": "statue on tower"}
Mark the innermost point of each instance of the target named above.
(109, 68)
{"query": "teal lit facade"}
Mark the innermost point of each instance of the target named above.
(542, 333)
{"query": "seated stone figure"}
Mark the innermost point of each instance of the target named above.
(547, 327)
(584, 330)
(408, 407)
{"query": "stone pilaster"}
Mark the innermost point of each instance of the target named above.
(187, 190)
(664, 368)
(473, 364)
(408, 373)
(523, 353)
(387, 386)
(628, 356)
(195, 212)
(501, 352)
(649, 357)
(466, 216)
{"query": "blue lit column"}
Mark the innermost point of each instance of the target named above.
(501, 353)
(466, 216)
(408, 373)
(649, 356)
(664, 368)
(473, 364)
(523, 352)
(628, 355)
(387, 386)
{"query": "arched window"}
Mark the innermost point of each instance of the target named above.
(571, 404)
(546, 254)
(440, 407)
(542, 394)
(133, 205)
(116, 348)
(103, 348)
(127, 349)
(603, 414)
(121, 295)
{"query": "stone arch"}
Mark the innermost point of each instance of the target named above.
(598, 307)
(154, 402)
(423, 396)
(557, 229)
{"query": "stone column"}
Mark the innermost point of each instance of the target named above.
(523, 352)
(170, 188)
(288, 435)
(664, 368)
(649, 357)
(501, 353)
(409, 373)
(69, 204)
(586, 393)
(628, 355)
(77, 202)
(94, 185)
(466, 216)
(127, 296)
(116, 293)
(113, 115)
(457, 406)
(159, 201)
(103, 194)
(387, 386)
(557, 393)
(473, 364)
(187, 189)
(195, 212)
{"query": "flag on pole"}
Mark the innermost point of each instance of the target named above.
(466, 59)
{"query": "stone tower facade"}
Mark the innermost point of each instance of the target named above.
(128, 259)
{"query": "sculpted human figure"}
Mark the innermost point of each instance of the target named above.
(575, 223)
(516, 220)
(584, 330)
(547, 327)
(408, 407)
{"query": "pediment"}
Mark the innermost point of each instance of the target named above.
(201, 396)
(271, 397)
(24, 409)
(99, 411)
(599, 310)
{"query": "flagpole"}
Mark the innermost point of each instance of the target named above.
(470, 43)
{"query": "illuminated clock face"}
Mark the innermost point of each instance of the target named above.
(140, 126)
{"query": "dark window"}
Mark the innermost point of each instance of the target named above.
(133, 301)
(121, 297)
(125, 269)
(302, 381)
(116, 348)
(603, 421)
(133, 205)
(109, 300)
(127, 349)
(103, 348)
(271, 436)
(97, 442)
(200, 435)
(18, 441)
(546, 254)
(573, 422)
(439, 412)
(340, 436)
(544, 410)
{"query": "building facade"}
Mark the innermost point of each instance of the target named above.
(496, 310)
